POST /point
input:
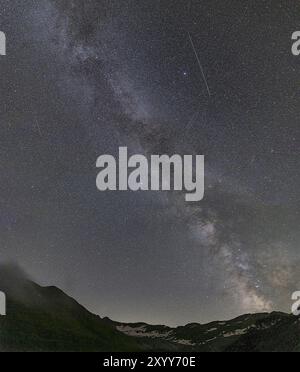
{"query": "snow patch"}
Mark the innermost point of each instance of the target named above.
(211, 330)
(185, 342)
(142, 332)
(237, 332)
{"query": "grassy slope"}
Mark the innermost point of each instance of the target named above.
(49, 320)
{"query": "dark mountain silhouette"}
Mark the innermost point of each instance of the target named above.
(46, 319)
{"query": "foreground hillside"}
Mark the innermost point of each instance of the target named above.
(46, 319)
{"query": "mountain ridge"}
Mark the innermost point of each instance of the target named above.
(46, 319)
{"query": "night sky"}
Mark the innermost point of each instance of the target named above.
(82, 78)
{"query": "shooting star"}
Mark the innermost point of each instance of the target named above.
(200, 66)
(38, 127)
(190, 122)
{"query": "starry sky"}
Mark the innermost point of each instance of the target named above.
(211, 77)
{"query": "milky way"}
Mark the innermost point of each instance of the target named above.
(82, 78)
